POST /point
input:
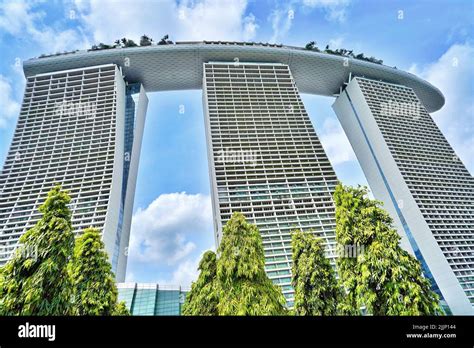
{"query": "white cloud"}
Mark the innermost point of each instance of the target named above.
(167, 231)
(336, 43)
(185, 20)
(413, 69)
(21, 19)
(250, 27)
(336, 10)
(9, 108)
(281, 20)
(335, 142)
(453, 74)
(185, 273)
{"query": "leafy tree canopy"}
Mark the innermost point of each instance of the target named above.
(41, 278)
(240, 285)
(35, 280)
(203, 297)
(313, 278)
(95, 292)
(384, 278)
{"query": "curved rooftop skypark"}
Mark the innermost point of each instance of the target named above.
(82, 122)
(179, 66)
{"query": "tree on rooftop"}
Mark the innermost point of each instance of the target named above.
(127, 42)
(165, 40)
(384, 278)
(35, 280)
(311, 46)
(313, 278)
(145, 40)
(103, 46)
(130, 43)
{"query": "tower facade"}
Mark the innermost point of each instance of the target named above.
(266, 160)
(81, 128)
(425, 187)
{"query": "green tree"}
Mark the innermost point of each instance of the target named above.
(103, 46)
(165, 40)
(240, 285)
(313, 278)
(244, 286)
(203, 298)
(145, 40)
(35, 281)
(384, 278)
(311, 46)
(95, 292)
(127, 42)
(121, 309)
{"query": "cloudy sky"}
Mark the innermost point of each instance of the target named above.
(172, 222)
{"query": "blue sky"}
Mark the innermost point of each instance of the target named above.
(172, 222)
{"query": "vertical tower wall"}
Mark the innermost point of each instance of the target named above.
(136, 110)
(71, 131)
(411, 168)
(266, 160)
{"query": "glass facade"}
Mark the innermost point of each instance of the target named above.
(152, 299)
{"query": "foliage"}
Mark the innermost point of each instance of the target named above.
(121, 309)
(41, 278)
(311, 46)
(95, 292)
(165, 41)
(245, 287)
(313, 278)
(350, 54)
(386, 279)
(146, 40)
(240, 284)
(101, 46)
(35, 280)
(128, 43)
(203, 299)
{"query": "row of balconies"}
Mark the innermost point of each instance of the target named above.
(37, 163)
(86, 178)
(69, 86)
(53, 80)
